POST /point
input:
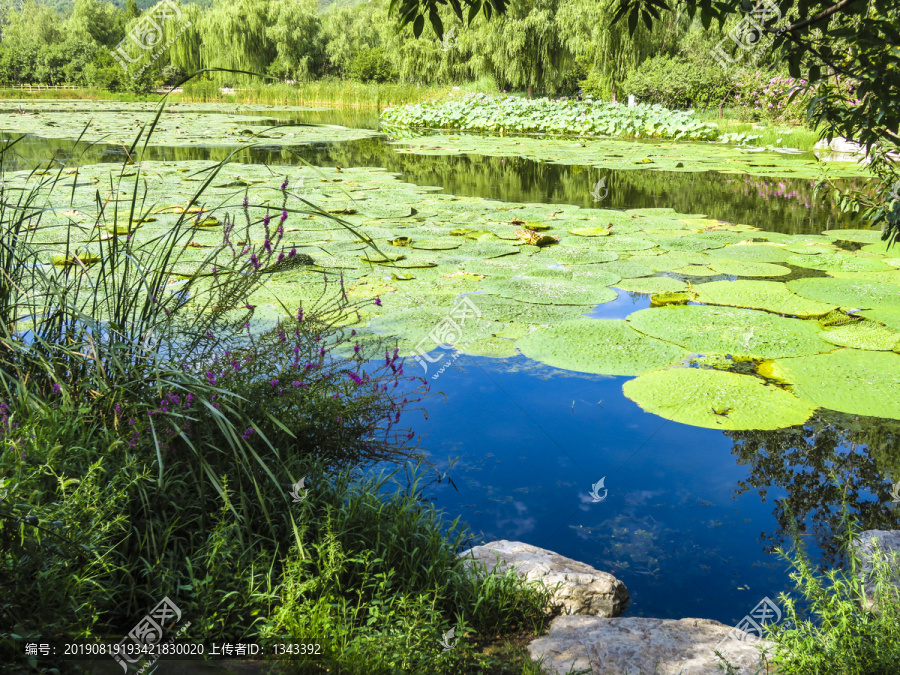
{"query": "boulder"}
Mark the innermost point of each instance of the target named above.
(884, 544)
(584, 590)
(638, 646)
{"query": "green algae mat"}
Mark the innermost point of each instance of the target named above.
(725, 344)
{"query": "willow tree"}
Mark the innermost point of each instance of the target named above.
(296, 33)
(523, 48)
(606, 49)
(236, 36)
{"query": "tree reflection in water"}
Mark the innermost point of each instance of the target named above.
(831, 460)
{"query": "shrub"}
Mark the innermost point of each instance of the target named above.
(371, 65)
(678, 82)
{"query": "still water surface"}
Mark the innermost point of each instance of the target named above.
(690, 516)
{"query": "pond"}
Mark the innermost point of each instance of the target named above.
(685, 514)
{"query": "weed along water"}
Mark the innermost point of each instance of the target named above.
(660, 358)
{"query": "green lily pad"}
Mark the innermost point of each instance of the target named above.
(849, 293)
(861, 236)
(615, 243)
(717, 400)
(570, 255)
(772, 296)
(740, 268)
(707, 329)
(863, 335)
(652, 285)
(846, 262)
(760, 253)
(590, 232)
(889, 317)
(846, 380)
(550, 291)
(687, 244)
(601, 346)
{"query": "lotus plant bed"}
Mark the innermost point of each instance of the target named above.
(510, 114)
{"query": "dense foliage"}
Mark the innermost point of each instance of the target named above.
(480, 112)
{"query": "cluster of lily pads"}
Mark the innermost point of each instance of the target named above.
(737, 328)
(483, 112)
(181, 124)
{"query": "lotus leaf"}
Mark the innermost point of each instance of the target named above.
(438, 244)
(837, 261)
(513, 311)
(889, 317)
(675, 298)
(687, 244)
(617, 243)
(652, 285)
(601, 346)
(748, 333)
(717, 400)
(772, 296)
(739, 268)
(696, 271)
(429, 328)
(849, 293)
(621, 268)
(847, 380)
(494, 347)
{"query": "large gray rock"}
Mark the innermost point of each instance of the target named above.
(877, 544)
(637, 646)
(584, 590)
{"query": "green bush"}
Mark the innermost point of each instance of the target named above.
(371, 65)
(677, 82)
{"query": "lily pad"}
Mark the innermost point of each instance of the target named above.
(867, 335)
(601, 346)
(652, 285)
(760, 253)
(590, 232)
(550, 291)
(740, 268)
(706, 329)
(717, 400)
(860, 236)
(846, 262)
(849, 293)
(772, 296)
(846, 380)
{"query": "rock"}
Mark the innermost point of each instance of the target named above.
(584, 589)
(866, 545)
(635, 646)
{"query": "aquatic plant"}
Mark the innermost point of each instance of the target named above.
(481, 112)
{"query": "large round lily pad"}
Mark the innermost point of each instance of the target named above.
(849, 293)
(769, 295)
(767, 253)
(717, 400)
(550, 291)
(846, 262)
(861, 236)
(705, 329)
(864, 335)
(652, 285)
(742, 268)
(846, 380)
(601, 346)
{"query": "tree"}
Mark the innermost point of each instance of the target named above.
(846, 51)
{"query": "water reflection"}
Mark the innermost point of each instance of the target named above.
(833, 459)
(774, 204)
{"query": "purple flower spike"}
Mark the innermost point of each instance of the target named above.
(284, 184)
(357, 349)
(378, 302)
(266, 220)
(283, 216)
(292, 253)
(246, 202)
(57, 389)
(295, 383)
